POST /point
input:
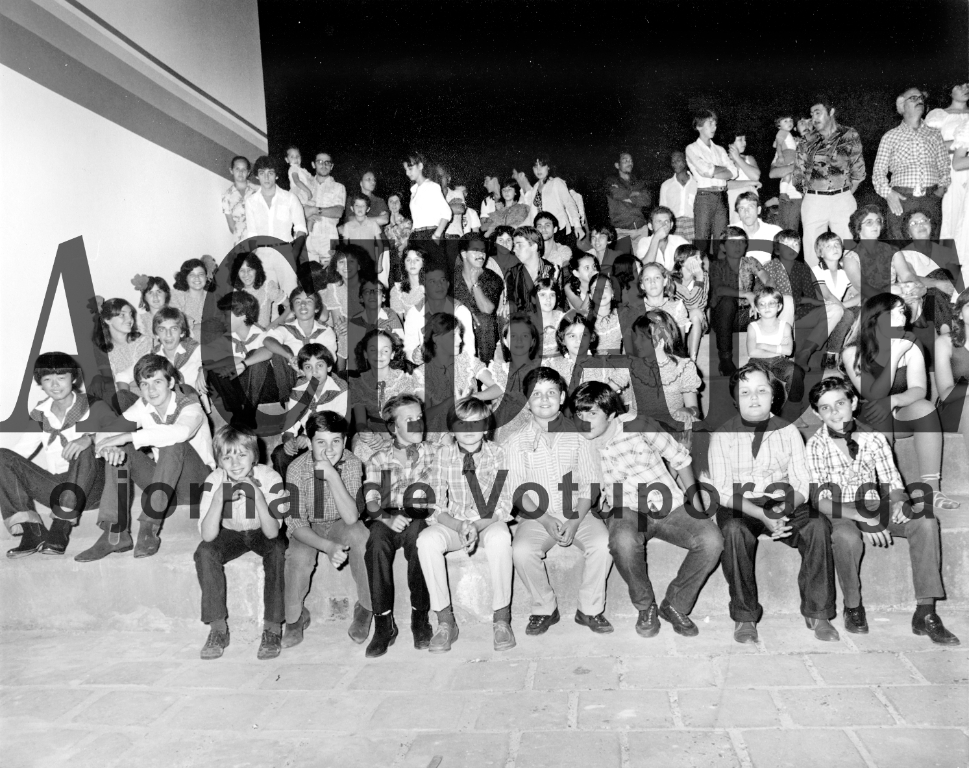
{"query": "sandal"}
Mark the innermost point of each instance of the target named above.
(941, 501)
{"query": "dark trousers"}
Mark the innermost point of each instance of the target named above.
(684, 527)
(810, 534)
(281, 460)
(929, 204)
(210, 560)
(709, 220)
(728, 318)
(382, 547)
(789, 213)
(242, 394)
(22, 483)
(179, 467)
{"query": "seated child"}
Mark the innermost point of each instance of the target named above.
(770, 339)
(286, 340)
(546, 292)
(458, 523)
(850, 455)
(239, 513)
(69, 457)
(327, 520)
(692, 288)
(171, 451)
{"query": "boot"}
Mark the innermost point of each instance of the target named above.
(360, 626)
(421, 628)
(31, 540)
(383, 636)
(57, 538)
(148, 541)
(104, 546)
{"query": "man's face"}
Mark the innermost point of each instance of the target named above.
(598, 422)
(546, 228)
(436, 285)
(267, 179)
(919, 226)
(371, 296)
(409, 424)
(545, 400)
(625, 164)
(748, 211)
(835, 409)
(368, 183)
(330, 445)
(754, 396)
(492, 185)
(821, 119)
(156, 389)
(709, 129)
(240, 171)
(678, 161)
(912, 103)
(323, 165)
(524, 248)
(661, 223)
(475, 257)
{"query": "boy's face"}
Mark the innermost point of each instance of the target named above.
(598, 421)
(293, 157)
(368, 183)
(57, 386)
(735, 247)
(157, 389)
(360, 209)
(600, 240)
(435, 285)
(836, 409)
(409, 424)
(237, 324)
(787, 124)
(304, 306)
(545, 400)
(754, 396)
(546, 229)
(788, 249)
(267, 178)
(748, 211)
(316, 368)
(169, 334)
(469, 440)
(237, 462)
(709, 129)
(329, 445)
(661, 224)
(240, 171)
(524, 248)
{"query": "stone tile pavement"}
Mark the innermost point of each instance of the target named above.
(569, 698)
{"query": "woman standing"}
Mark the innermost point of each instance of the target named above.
(552, 194)
(398, 229)
(234, 198)
(748, 177)
(953, 121)
(429, 209)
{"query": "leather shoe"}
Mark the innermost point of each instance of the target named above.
(360, 626)
(503, 636)
(682, 624)
(293, 633)
(214, 646)
(647, 625)
(148, 541)
(823, 630)
(31, 540)
(446, 634)
(538, 624)
(598, 624)
(384, 635)
(932, 626)
(420, 627)
(855, 620)
(745, 632)
(270, 646)
(57, 538)
(105, 545)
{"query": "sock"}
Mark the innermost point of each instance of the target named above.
(219, 625)
(272, 626)
(924, 609)
(503, 614)
(445, 616)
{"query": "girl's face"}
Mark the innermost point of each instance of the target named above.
(247, 275)
(379, 352)
(169, 334)
(341, 267)
(832, 251)
(240, 172)
(304, 306)
(350, 267)
(586, 269)
(197, 279)
(155, 299)
(413, 263)
(540, 171)
(505, 241)
(768, 308)
(393, 203)
(237, 462)
(787, 124)
(573, 338)
(547, 299)
(414, 172)
(740, 142)
(123, 322)
(519, 340)
(508, 195)
(605, 301)
(961, 92)
(871, 227)
(653, 282)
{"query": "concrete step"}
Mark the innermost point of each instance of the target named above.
(162, 592)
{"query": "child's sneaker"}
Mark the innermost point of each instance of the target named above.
(215, 645)
(270, 646)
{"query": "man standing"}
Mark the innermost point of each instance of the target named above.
(378, 206)
(827, 169)
(325, 212)
(678, 193)
(712, 168)
(627, 198)
(275, 212)
(916, 157)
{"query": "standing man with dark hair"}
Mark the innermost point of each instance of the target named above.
(827, 170)
(712, 168)
(678, 193)
(916, 157)
(628, 201)
(325, 211)
(275, 212)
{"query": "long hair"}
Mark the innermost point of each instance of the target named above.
(668, 288)
(181, 277)
(402, 277)
(111, 309)
(523, 319)
(958, 331)
(255, 264)
(590, 331)
(625, 271)
(663, 326)
(872, 310)
(573, 268)
(153, 282)
(397, 358)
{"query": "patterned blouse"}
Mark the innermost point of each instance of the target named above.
(192, 308)
(269, 297)
(124, 356)
(401, 302)
(798, 283)
(234, 205)
(398, 234)
(437, 377)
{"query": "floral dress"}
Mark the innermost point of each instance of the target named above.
(192, 307)
(269, 296)
(372, 393)
(610, 334)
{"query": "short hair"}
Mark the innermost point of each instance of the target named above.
(317, 350)
(381, 291)
(543, 159)
(181, 277)
(783, 116)
(244, 159)
(439, 324)
(609, 231)
(567, 322)
(830, 384)
(823, 239)
(854, 221)
(323, 151)
(265, 163)
(359, 196)
(662, 209)
(233, 437)
(152, 282)
(533, 236)
(309, 293)
(397, 357)
(471, 410)
(591, 394)
(522, 318)
(111, 309)
(745, 196)
(737, 233)
(514, 185)
(57, 364)
(415, 158)
(241, 304)
(825, 101)
(468, 240)
(171, 313)
(907, 217)
(365, 266)
(389, 412)
(326, 421)
(254, 263)
(503, 229)
(752, 367)
(548, 216)
(702, 115)
(543, 374)
(149, 365)
(680, 255)
(770, 293)
(291, 146)
(790, 238)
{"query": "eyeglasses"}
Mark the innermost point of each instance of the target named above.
(768, 304)
(326, 162)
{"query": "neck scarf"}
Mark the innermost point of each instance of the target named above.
(298, 333)
(242, 347)
(758, 428)
(468, 457)
(412, 450)
(848, 437)
(189, 345)
(74, 414)
(180, 402)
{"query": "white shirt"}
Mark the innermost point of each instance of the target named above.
(190, 426)
(462, 225)
(488, 207)
(678, 197)
(56, 463)
(702, 159)
(763, 238)
(428, 205)
(557, 201)
(322, 334)
(837, 283)
(414, 329)
(338, 404)
(664, 257)
(270, 483)
(279, 219)
(277, 269)
(254, 341)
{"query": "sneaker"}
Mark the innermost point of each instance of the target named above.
(270, 646)
(215, 645)
(446, 635)
(504, 637)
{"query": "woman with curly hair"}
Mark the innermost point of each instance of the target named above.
(193, 282)
(249, 275)
(952, 371)
(155, 294)
(407, 280)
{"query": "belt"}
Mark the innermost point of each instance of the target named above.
(711, 191)
(917, 191)
(825, 191)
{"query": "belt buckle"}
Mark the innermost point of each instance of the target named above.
(918, 191)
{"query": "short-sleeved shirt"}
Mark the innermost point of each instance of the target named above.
(242, 515)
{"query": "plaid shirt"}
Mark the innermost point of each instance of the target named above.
(453, 491)
(302, 474)
(829, 464)
(631, 458)
(829, 162)
(401, 477)
(914, 157)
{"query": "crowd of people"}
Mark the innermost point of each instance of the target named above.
(436, 372)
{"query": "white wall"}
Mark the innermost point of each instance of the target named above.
(69, 172)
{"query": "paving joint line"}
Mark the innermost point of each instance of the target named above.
(912, 669)
(785, 717)
(674, 700)
(859, 745)
(514, 745)
(880, 695)
(740, 747)
(815, 673)
(573, 718)
(624, 750)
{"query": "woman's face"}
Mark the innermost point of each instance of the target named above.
(413, 171)
(155, 299)
(247, 275)
(240, 172)
(447, 345)
(123, 322)
(740, 142)
(413, 263)
(546, 299)
(519, 340)
(605, 301)
(508, 195)
(351, 267)
(196, 279)
(379, 352)
(871, 227)
(587, 268)
(898, 315)
(393, 203)
(573, 338)
(919, 226)
(653, 282)
(540, 171)
(505, 241)
(961, 92)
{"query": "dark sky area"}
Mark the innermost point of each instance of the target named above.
(486, 85)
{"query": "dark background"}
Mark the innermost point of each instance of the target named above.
(484, 86)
